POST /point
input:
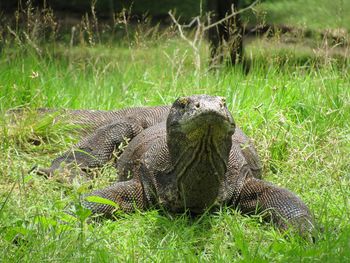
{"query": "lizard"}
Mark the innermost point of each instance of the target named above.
(188, 156)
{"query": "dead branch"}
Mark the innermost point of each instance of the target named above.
(233, 13)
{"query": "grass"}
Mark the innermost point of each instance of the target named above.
(294, 105)
(314, 14)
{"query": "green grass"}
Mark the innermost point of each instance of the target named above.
(297, 115)
(294, 104)
(322, 14)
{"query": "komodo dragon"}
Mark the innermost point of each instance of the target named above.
(189, 156)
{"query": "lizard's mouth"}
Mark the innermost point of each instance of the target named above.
(198, 125)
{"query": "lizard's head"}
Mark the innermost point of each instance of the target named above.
(199, 131)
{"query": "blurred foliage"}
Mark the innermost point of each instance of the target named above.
(187, 8)
(315, 14)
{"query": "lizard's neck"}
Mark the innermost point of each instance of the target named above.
(200, 165)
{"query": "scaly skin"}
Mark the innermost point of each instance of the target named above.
(104, 131)
(186, 157)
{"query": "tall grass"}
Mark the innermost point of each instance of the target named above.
(295, 110)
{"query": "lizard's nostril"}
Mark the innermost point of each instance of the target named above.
(197, 104)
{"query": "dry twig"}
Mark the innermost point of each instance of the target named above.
(195, 44)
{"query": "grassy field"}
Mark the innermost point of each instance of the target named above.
(319, 15)
(295, 105)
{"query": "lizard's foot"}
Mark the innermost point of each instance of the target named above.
(64, 174)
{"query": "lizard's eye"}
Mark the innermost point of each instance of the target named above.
(223, 102)
(182, 102)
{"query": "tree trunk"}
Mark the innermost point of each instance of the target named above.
(226, 37)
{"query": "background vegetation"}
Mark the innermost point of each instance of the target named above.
(314, 14)
(294, 102)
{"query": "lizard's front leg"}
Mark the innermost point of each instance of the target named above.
(281, 206)
(127, 197)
